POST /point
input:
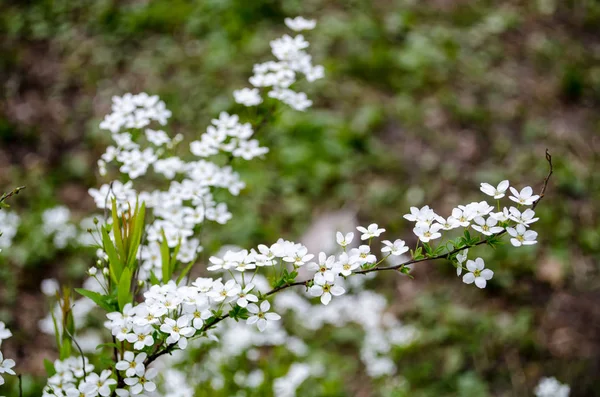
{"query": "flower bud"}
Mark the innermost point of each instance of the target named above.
(92, 271)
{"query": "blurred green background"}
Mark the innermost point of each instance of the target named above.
(422, 101)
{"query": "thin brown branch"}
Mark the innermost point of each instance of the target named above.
(170, 347)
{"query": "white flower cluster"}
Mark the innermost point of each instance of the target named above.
(551, 387)
(9, 223)
(481, 217)
(189, 199)
(279, 75)
(56, 223)
(74, 377)
(6, 365)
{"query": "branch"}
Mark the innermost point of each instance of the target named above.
(11, 193)
(170, 347)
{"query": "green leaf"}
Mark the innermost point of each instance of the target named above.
(173, 261)
(49, 366)
(238, 313)
(114, 264)
(103, 345)
(186, 271)
(136, 235)
(123, 292)
(153, 279)
(101, 300)
(166, 262)
(65, 350)
(117, 231)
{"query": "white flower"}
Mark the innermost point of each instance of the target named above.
(550, 387)
(300, 257)
(247, 96)
(423, 215)
(142, 382)
(526, 217)
(461, 257)
(324, 267)
(521, 236)
(495, 192)
(299, 23)
(346, 264)
(487, 227)
(141, 336)
(477, 273)
(427, 233)
(221, 292)
(363, 254)
(396, 248)
(100, 383)
(245, 296)
(372, 231)
(83, 390)
(6, 367)
(524, 197)
(344, 240)
(261, 315)
(448, 224)
(325, 290)
(49, 287)
(178, 331)
(132, 365)
(462, 216)
(4, 332)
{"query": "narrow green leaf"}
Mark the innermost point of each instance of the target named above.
(103, 345)
(173, 262)
(114, 263)
(136, 235)
(49, 366)
(186, 271)
(117, 231)
(166, 262)
(153, 279)
(65, 350)
(56, 330)
(123, 292)
(99, 299)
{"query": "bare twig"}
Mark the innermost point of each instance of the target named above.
(13, 192)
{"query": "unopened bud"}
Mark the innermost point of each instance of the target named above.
(92, 271)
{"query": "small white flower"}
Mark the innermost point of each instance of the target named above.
(324, 267)
(396, 248)
(551, 387)
(521, 236)
(247, 96)
(495, 192)
(524, 197)
(487, 226)
(526, 217)
(344, 240)
(142, 382)
(101, 383)
(132, 364)
(363, 254)
(6, 367)
(178, 331)
(346, 264)
(244, 297)
(141, 336)
(461, 257)
(477, 273)
(261, 315)
(324, 289)
(4, 332)
(299, 23)
(372, 231)
(427, 233)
